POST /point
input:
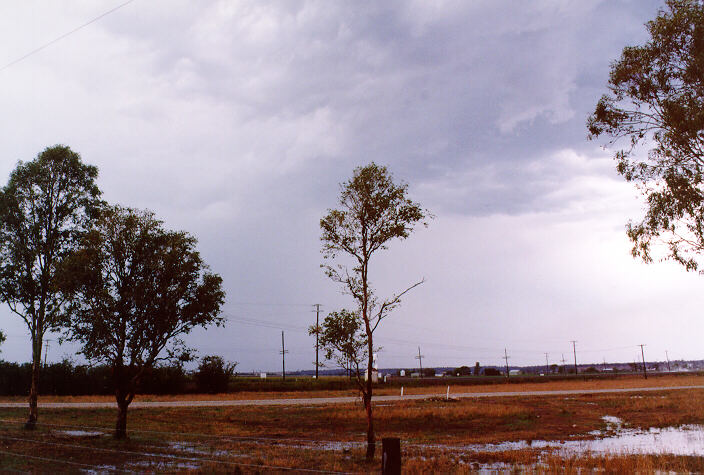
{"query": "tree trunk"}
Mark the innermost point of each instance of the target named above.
(121, 424)
(124, 393)
(371, 442)
(31, 423)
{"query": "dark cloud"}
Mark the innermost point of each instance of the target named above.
(237, 120)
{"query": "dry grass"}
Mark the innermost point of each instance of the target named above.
(433, 434)
(621, 382)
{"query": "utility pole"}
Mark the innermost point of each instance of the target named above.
(506, 357)
(563, 363)
(283, 357)
(420, 362)
(547, 367)
(317, 334)
(667, 357)
(46, 349)
(642, 354)
(574, 349)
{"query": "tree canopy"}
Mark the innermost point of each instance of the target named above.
(136, 287)
(343, 338)
(656, 102)
(45, 208)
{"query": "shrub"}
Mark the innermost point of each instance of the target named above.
(214, 374)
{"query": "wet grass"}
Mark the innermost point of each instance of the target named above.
(256, 437)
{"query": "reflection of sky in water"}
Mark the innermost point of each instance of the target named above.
(684, 440)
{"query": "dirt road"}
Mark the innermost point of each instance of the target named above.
(334, 400)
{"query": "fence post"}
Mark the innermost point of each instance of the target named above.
(391, 456)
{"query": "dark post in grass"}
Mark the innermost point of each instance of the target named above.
(391, 456)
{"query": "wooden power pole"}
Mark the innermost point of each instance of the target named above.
(642, 354)
(283, 357)
(547, 367)
(420, 362)
(317, 335)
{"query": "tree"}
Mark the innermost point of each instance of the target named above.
(373, 211)
(213, 375)
(656, 99)
(137, 288)
(463, 371)
(343, 339)
(44, 208)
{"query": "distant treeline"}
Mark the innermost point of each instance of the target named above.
(212, 376)
(67, 379)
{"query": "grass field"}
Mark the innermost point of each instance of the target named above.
(621, 382)
(437, 435)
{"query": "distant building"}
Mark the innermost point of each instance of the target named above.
(514, 372)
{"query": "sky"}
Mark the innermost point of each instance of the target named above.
(236, 121)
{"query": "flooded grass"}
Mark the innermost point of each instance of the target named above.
(658, 431)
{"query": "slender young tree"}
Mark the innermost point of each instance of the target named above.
(655, 108)
(44, 208)
(135, 289)
(373, 211)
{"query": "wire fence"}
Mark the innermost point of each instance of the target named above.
(146, 455)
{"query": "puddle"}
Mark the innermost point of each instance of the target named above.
(612, 422)
(684, 440)
(100, 470)
(197, 449)
(79, 433)
(165, 466)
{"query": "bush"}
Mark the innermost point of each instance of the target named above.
(213, 375)
(491, 372)
(164, 380)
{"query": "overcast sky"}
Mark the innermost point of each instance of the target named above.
(237, 120)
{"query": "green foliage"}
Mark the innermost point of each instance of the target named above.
(136, 288)
(656, 99)
(213, 375)
(343, 339)
(45, 208)
(373, 211)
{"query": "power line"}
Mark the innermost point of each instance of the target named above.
(59, 38)
(270, 304)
